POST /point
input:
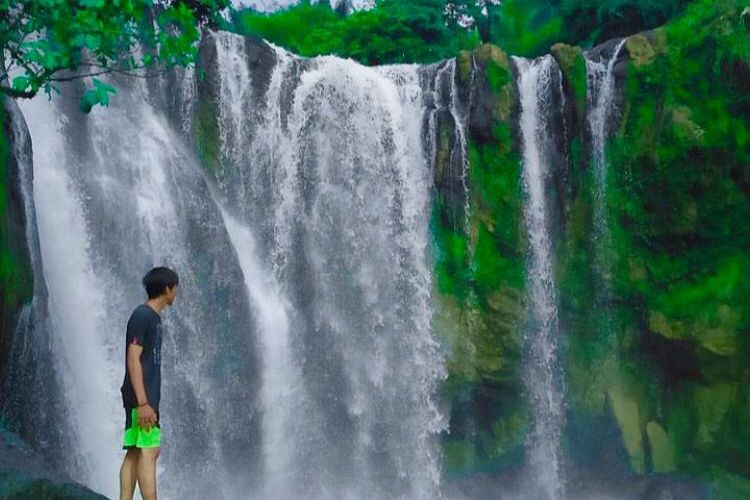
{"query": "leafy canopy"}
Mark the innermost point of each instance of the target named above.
(396, 31)
(49, 41)
(393, 31)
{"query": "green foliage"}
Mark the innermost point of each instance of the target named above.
(589, 22)
(668, 353)
(48, 41)
(398, 31)
(530, 27)
(479, 287)
(392, 32)
(526, 28)
(98, 95)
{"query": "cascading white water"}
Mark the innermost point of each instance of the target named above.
(445, 95)
(76, 307)
(117, 192)
(332, 175)
(299, 360)
(281, 392)
(541, 377)
(600, 107)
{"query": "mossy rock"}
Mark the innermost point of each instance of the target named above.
(499, 75)
(488, 444)
(629, 417)
(682, 120)
(712, 407)
(14, 488)
(16, 269)
(483, 343)
(465, 66)
(717, 332)
(496, 64)
(26, 475)
(489, 52)
(207, 137)
(644, 48)
(572, 63)
(662, 452)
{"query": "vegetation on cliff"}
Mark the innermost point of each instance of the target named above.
(679, 205)
(398, 31)
(665, 358)
(479, 278)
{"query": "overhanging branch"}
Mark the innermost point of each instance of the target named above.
(20, 94)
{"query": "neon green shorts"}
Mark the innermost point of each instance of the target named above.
(138, 437)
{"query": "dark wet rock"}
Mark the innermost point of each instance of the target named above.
(24, 474)
(16, 279)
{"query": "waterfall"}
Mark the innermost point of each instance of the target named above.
(117, 192)
(75, 305)
(299, 359)
(447, 100)
(331, 175)
(281, 396)
(536, 83)
(30, 359)
(600, 107)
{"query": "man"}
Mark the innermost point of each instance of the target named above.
(141, 389)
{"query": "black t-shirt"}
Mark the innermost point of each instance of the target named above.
(144, 329)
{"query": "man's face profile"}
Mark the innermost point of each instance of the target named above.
(171, 294)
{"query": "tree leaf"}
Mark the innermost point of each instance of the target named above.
(21, 83)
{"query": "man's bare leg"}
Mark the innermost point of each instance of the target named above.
(128, 474)
(147, 472)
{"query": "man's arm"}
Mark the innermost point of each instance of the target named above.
(146, 414)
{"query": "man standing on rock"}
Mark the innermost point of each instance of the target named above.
(141, 389)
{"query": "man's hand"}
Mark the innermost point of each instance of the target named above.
(146, 417)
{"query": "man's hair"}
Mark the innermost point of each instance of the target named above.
(158, 279)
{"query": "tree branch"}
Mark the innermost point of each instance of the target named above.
(20, 94)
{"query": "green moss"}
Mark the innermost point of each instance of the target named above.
(661, 448)
(479, 286)
(206, 136)
(473, 449)
(573, 67)
(465, 66)
(629, 418)
(677, 204)
(497, 67)
(726, 486)
(712, 406)
(640, 49)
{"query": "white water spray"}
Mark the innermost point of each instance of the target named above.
(600, 107)
(541, 375)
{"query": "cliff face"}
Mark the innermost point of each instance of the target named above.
(16, 278)
(654, 303)
(25, 475)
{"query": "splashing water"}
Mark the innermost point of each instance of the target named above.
(541, 372)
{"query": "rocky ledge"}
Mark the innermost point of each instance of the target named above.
(25, 474)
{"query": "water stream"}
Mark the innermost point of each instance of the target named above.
(299, 360)
(601, 104)
(541, 371)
